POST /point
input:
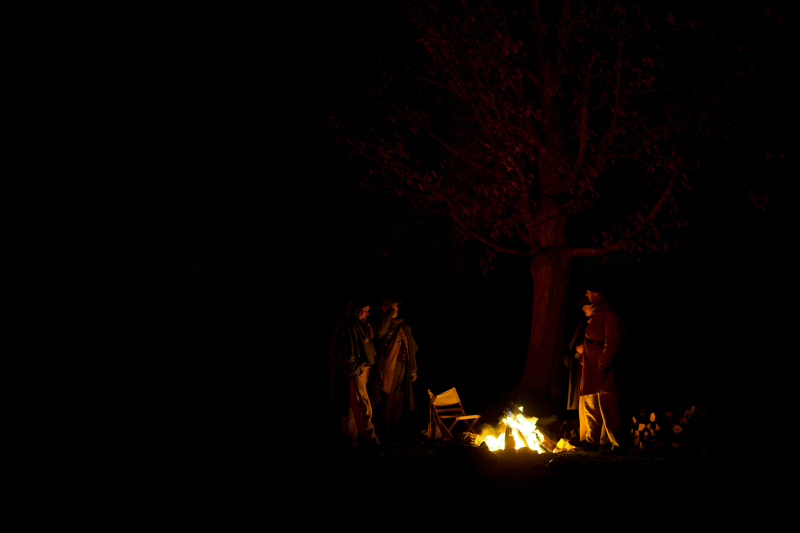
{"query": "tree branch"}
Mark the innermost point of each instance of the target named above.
(619, 245)
(481, 238)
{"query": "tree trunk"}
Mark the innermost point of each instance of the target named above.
(550, 273)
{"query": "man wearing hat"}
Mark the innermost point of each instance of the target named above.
(601, 425)
(397, 367)
(352, 354)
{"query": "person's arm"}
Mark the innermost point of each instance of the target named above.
(574, 356)
(348, 353)
(613, 338)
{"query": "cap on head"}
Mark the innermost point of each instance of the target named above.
(358, 304)
(389, 303)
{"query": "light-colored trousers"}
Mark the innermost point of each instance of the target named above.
(359, 417)
(600, 419)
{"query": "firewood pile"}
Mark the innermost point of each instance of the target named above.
(688, 428)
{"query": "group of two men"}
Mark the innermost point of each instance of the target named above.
(593, 390)
(371, 365)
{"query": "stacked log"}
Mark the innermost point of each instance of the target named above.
(689, 430)
(652, 431)
(645, 430)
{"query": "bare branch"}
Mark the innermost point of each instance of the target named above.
(645, 224)
(604, 142)
(495, 246)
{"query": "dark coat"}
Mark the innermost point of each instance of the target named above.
(387, 333)
(575, 368)
(352, 347)
(601, 341)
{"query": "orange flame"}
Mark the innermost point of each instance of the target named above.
(524, 429)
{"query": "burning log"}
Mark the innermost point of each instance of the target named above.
(563, 445)
(544, 440)
(518, 431)
(510, 441)
(547, 443)
(469, 438)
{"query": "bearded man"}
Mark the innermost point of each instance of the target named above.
(397, 368)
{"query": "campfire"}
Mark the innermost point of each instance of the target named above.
(516, 431)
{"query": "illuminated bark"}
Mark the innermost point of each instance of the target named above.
(550, 275)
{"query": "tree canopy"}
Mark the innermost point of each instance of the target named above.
(511, 117)
(557, 130)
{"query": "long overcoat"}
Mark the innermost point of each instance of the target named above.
(575, 369)
(601, 341)
(387, 333)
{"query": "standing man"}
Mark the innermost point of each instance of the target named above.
(397, 367)
(573, 359)
(601, 425)
(352, 354)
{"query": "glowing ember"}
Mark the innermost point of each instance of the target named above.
(522, 428)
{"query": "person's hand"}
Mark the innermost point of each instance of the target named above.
(413, 377)
(579, 348)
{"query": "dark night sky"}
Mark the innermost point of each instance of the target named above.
(177, 237)
(162, 151)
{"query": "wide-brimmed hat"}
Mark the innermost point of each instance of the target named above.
(594, 283)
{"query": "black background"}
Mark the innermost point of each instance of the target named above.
(186, 258)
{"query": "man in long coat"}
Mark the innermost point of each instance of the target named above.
(573, 360)
(397, 367)
(601, 425)
(352, 354)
